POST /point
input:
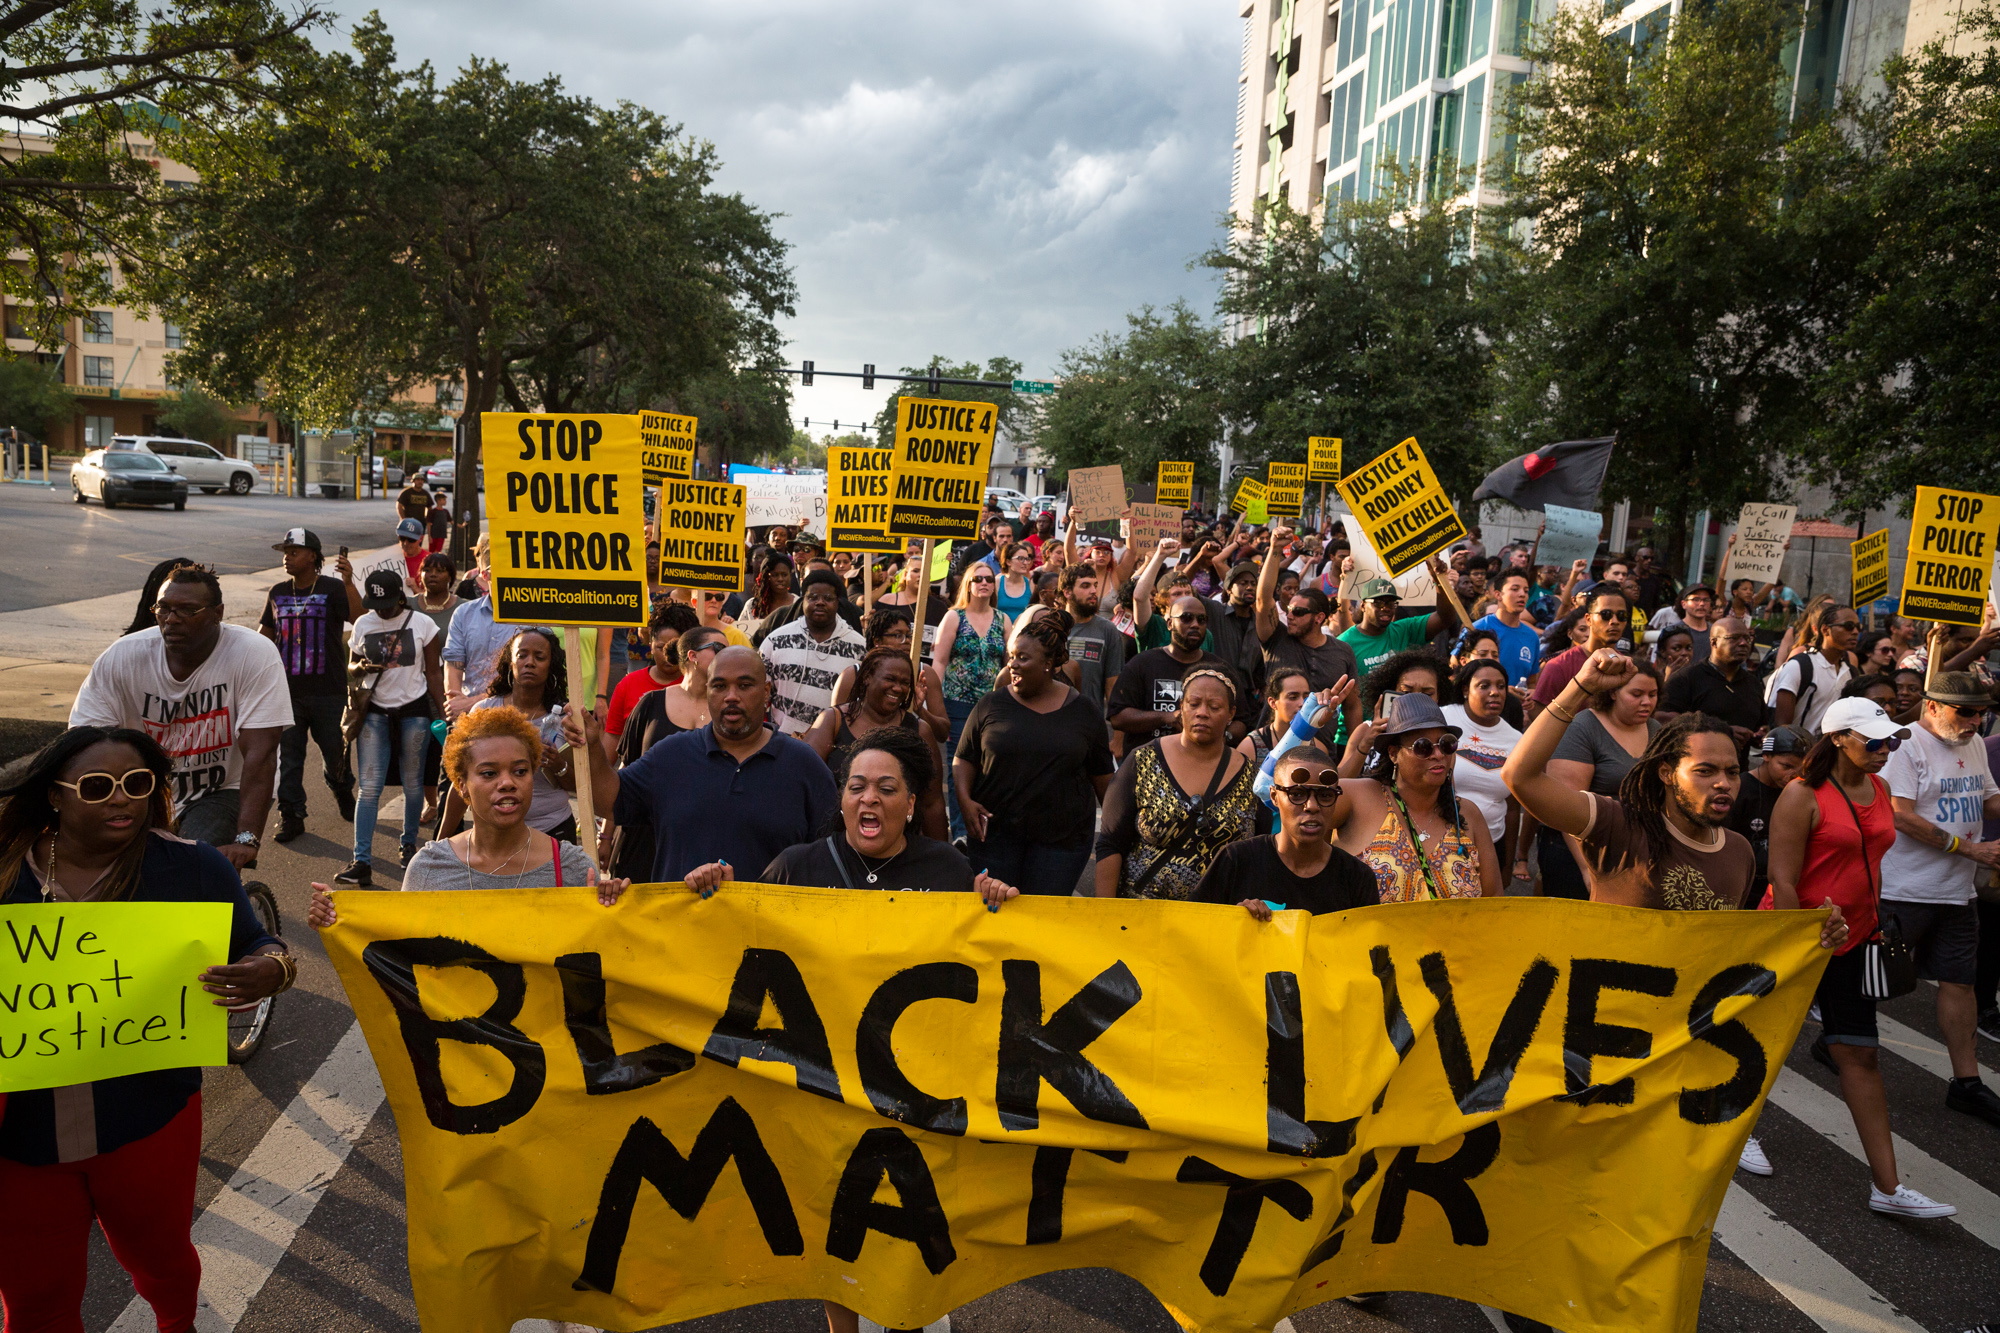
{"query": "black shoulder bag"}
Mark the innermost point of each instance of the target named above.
(1190, 824)
(1888, 968)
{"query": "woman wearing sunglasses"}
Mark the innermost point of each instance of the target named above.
(1299, 869)
(1406, 823)
(88, 822)
(1829, 831)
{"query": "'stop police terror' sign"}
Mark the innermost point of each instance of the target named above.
(1951, 555)
(1401, 507)
(566, 520)
(941, 455)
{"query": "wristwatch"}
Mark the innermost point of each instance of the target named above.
(247, 839)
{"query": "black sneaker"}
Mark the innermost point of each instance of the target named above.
(1989, 1025)
(289, 827)
(1972, 1096)
(409, 852)
(358, 873)
(345, 800)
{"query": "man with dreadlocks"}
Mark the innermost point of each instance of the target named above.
(1664, 841)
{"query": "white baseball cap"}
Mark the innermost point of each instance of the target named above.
(1861, 715)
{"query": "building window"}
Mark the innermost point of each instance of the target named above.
(449, 397)
(97, 326)
(97, 372)
(97, 432)
(172, 337)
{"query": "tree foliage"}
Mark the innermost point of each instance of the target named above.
(1016, 416)
(1150, 395)
(32, 395)
(195, 415)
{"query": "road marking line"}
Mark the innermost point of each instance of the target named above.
(1918, 1049)
(249, 1226)
(1804, 1274)
(1495, 1318)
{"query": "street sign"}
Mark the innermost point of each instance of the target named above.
(1033, 386)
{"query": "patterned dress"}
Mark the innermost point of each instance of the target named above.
(975, 660)
(1398, 870)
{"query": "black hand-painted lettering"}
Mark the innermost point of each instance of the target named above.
(393, 964)
(1032, 1051)
(604, 1069)
(1449, 1182)
(1287, 1128)
(647, 1156)
(1401, 1035)
(874, 1045)
(1240, 1209)
(1364, 1171)
(800, 1043)
(918, 1218)
(1049, 1182)
(1488, 1091)
(1584, 1037)
(1727, 1100)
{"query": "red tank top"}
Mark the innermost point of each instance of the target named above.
(1843, 862)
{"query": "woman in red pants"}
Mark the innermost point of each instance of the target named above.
(89, 823)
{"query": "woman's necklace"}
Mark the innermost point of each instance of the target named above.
(472, 845)
(49, 876)
(424, 600)
(873, 871)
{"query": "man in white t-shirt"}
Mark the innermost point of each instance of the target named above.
(1943, 791)
(215, 696)
(1806, 686)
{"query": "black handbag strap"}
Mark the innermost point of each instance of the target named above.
(1190, 822)
(1862, 833)
(840, 862)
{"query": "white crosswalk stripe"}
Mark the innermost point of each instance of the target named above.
(1804, 1274)
(1919, 1050)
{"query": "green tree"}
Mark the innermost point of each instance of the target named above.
(742, 414)
(1138, 399)
(1683, 263)
(195, 415)
(32, 395)
(1373, 325)
(1909, 396)
(1016, 416)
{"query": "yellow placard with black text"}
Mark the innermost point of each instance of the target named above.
(858, 480)
(631, 1116)
(1950, 559)
(1401, 506)
(941, 455)
(666, 446)
(1287, 497)
(701, 535)
(566, 513)
(1175, 485)
(1323, 458)
(1250, 491)
(1871, 567)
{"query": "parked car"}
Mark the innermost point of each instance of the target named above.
(386, 474)
(1005, 499)
(126, 477)
(203, 466)
(1039, 505)
(439, 476)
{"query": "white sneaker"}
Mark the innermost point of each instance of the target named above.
(1813, 1013)
(1753, 1159)
(1906, 1202)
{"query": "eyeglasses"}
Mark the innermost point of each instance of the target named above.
(161, 611)
(96, 788)
(1845, 624)
(1968, 713)
(1606, 613)
(1307, 785)
(1187, 619)
(1297, 611)
(1385, 601)
(1424, 747)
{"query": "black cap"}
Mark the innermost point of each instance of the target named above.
(382, 591)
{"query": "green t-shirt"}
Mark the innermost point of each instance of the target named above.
(1371, 650)
(1156, 633)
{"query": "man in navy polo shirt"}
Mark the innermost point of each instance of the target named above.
(733, 791)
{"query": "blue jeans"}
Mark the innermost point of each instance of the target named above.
(957, 710)
(371, 759)
(1030, 867)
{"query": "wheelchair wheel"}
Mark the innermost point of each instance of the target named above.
(248, 1025)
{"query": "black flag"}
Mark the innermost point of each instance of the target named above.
(1568, 474)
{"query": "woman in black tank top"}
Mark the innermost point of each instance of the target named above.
(884, 684)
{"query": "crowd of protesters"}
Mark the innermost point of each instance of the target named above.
(1244, 715)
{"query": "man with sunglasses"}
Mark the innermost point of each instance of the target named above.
(216, 698)
(1380, 633)
(1806, 686)
(1298, 868)
(1146, 701)
(1943, 791)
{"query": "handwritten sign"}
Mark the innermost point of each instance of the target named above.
(1569, 535)
(1146, 524)
(97, 990)
(1950, 562)
(1323, 458)
(777, 497)
(1761, 533)
(1871, 567)
(1096, 492)
(1287, 483)
(666, 446)
(1175, 485)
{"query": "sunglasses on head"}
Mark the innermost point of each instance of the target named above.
(96, 788)
(1306, 785)
(1424, 747)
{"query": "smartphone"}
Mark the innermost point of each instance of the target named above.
(343, 551)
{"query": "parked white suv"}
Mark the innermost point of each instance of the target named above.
(203, 466)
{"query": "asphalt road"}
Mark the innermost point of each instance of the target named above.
(1851, 1270)
(56, 551)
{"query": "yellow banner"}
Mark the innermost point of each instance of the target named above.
(941, 455)
(857, 499)
(566, 510)
(1403, 511)
(1287, 481)
(631, 1116)
(1951, 555)
(1323, 458)
(1871, 567)
(96, 990)
(1175, 485)
(701, 535)
(666, 446)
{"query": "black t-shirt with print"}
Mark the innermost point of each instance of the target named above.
(311, 629)
(924, 865)
(1252, 868)
(1151, 682)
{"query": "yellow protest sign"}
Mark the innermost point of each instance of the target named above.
(97, 990)
(632, 1116)
(1951, 555)
(1175, 485)
(1287, 497)
(1323, 458)
(701, 535)
(941, 456)
(666, 446)
(1249, 491)
(857, 499)
(1401, 507)
(1871, 567)
(565, 510)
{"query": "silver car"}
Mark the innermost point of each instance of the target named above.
(114, 477)
(202, 465)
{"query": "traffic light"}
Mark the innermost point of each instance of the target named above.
(868, 375)
(806, 373)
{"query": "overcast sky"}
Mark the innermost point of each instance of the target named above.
(959, 180)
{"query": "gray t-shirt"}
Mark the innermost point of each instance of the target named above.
(1098, 650)
(1587, 742)
(436, 866)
